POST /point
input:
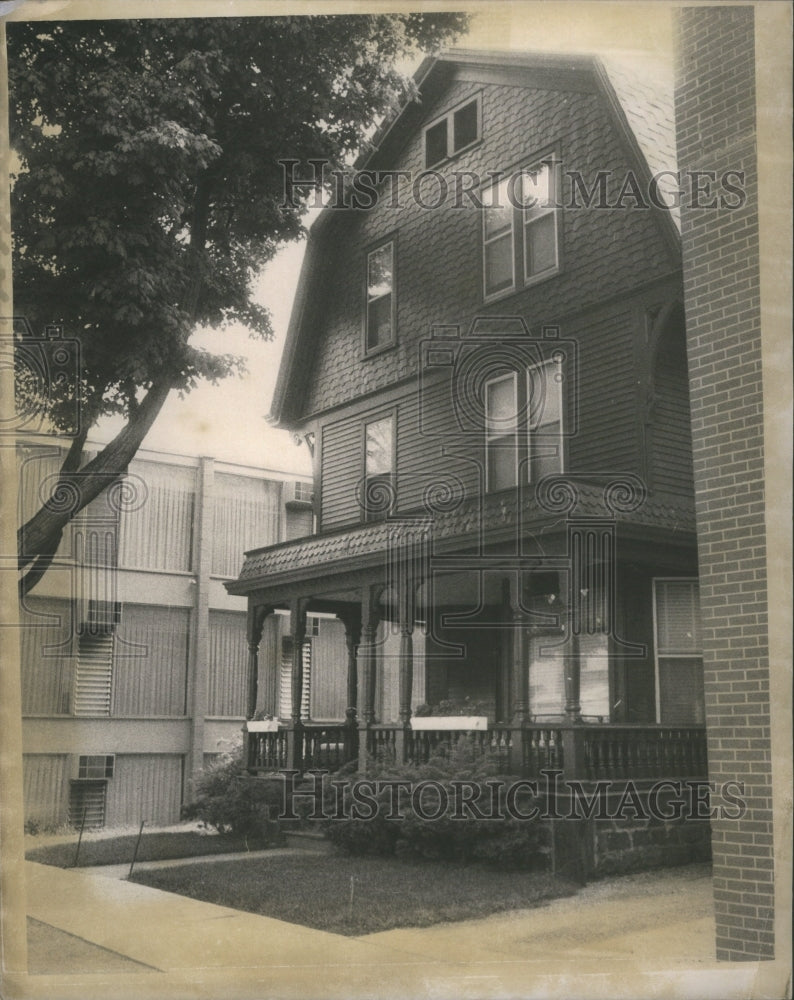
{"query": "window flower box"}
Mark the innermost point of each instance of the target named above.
(262, 726)
(449, 722)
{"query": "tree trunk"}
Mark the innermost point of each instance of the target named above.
(40, 537)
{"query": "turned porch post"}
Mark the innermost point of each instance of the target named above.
(519, 679)
(365, 669)
(406, 623)
(255, 625)
(352, 622)
(298, 634)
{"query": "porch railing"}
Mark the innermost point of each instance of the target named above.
(584, 752)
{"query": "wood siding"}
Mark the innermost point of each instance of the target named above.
(604, 255)
(342, 468)
(671, 435)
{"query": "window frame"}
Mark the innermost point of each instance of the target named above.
(520, 224)
(391, 416)
(525, 428)
(369, 351)
(449, 117)
(658, 654)
(531, 429)
(501, 434)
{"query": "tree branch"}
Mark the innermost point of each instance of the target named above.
(41, 535)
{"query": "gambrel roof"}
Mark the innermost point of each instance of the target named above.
(641, 111)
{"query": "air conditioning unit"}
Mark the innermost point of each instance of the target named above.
(298, 494)
(93, 767)
(102, 616)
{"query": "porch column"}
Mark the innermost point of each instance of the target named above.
(255, 624)
(365, 669)
(406, 622)
(352, 622)
(298, 634)
(519, 680)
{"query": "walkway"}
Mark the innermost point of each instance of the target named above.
(649, 935)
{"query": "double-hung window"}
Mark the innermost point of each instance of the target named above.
(501, 431)
(524, 425)
(520, 229)
(679, 652)
(378, 468)
(380, 305)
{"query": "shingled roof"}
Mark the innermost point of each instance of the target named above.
(641, 108)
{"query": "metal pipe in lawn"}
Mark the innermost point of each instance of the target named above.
(135, 852)
(79, 838)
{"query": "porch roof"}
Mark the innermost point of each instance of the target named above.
(455, 525)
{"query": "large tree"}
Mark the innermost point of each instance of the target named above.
(149, 193)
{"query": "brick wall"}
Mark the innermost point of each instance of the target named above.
(715, 124)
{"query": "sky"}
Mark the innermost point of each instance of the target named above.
(228, 422)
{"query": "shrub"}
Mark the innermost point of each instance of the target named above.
(433, 823)
(229, 802)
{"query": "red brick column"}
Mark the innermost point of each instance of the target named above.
(716, 125)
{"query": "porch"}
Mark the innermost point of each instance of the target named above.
(578, 751)
(554, 640)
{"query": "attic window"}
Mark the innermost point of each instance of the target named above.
(450, 135)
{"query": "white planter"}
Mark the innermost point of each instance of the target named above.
(447, 722)
(262, 726)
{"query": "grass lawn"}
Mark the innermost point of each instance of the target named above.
(153, 847)
(316, 890)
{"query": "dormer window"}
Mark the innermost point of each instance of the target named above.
(380, 313)
(520, 239)
(456, 131)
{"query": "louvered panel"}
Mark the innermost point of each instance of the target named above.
(285, 679)
(47, 643)
(150, 661)
(46, 788)
(159, 535)
(87, 804)
(94, 675)
(145, 787)
(227, 679)
(246, 516)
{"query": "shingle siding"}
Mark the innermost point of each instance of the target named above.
(604, 252)
(715, 119)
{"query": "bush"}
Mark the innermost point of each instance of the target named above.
(432, 822)
(229, 802)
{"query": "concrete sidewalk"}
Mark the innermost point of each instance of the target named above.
(647, 935)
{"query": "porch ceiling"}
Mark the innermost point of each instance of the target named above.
(540, 521)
